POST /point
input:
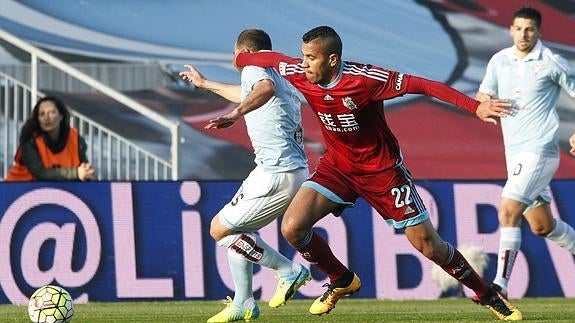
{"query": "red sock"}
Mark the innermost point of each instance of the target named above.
(317, 252)
(458, 267)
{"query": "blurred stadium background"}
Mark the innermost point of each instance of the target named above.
(138, 48)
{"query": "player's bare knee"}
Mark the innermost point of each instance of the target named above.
(291, 234)
(215, 233)
(541, 230)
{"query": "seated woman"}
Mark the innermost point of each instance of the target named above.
(49, 149)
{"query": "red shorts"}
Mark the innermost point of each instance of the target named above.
(390, 192)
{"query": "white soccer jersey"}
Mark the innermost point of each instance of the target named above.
(533, 83)
(277, 138)
(275, 128)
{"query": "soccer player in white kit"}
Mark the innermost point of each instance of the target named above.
(531, 76)
(271, 108)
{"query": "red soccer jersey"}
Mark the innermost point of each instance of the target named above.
(350, 110)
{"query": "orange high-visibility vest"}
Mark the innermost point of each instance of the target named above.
(68, 157)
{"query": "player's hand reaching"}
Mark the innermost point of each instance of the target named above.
(224, 121)
(490, 110)
(194, 76)
(572, 143)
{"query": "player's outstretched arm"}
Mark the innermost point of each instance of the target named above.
(572, 143)
(230, 92)
(489, 110)
(261, 93)
(263, 59)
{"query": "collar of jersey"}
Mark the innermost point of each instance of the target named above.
(334, 82)
(534, 54)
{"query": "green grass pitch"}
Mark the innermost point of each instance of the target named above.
(347, 310)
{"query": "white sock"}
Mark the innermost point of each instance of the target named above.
(273, 259)
(253, 248)
(563, 235)
(242, 274)
(509, 244)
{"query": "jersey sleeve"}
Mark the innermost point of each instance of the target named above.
(489, 83)
(263, 59)
(251, 75)
(441, 91)
(285, 65)
(564, 75)
(384, 84)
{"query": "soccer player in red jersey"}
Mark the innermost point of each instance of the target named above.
(363, 159)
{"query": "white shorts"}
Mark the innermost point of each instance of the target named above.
(262, 198)
(528, 178)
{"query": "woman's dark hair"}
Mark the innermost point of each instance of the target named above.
(32, 126)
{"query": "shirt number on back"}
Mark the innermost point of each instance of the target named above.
(402, 195)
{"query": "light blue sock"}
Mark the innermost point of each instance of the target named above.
(272, 259)
(509, 245)
(242, 274)
(563, 235)
(253, 248)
